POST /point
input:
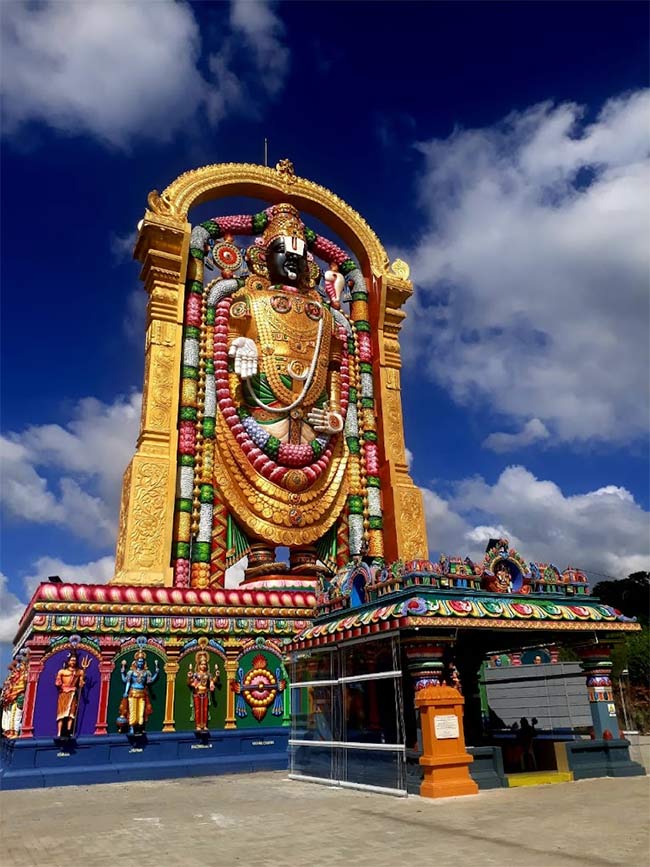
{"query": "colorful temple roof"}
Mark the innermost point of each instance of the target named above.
(427, 608)
(502, 591)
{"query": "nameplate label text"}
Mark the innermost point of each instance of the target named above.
(446, 727)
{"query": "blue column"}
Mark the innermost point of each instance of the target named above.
(597, 665)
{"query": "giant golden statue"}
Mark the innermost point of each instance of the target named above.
(289, 426)
(282, 386)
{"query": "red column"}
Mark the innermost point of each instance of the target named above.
(106, 667)
(34, 669)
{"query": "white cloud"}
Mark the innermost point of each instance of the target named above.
(263, 31)
(135, 316)
(71, 475)
(532, 271)
(96, 572)
(11, 609)
(603, 530)
(120, 71)
(534, 431)
(122, 246)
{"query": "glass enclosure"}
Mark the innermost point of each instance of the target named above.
(347, 726)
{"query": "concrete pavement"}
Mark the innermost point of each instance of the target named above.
(265, 819)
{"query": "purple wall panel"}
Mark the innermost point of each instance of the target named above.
(47, 694)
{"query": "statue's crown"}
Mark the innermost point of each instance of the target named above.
(284, 221)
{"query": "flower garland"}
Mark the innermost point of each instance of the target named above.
(271, 458)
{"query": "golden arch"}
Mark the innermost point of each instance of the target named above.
(217, 181)
(143, 554)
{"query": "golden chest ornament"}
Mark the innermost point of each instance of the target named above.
(294, 335)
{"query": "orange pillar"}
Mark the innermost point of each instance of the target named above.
(106, 666)
(444, 760)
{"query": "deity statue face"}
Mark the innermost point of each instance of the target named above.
(286, 259)
(203, 666)
(139, 663)
(72, 662)
(503, 578)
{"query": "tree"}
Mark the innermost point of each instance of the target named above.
(631, 595)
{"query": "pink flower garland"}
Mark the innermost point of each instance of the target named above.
(237, 224)
(290, 455)
(182, 573)
(193, 310)
(328, 250)
(365, 347)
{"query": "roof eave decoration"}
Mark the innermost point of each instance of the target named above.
(488, 611)
(125, 602)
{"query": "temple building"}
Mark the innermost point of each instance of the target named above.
(272, 429)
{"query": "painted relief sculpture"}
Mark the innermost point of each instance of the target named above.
(259, 689)
(13, 697)
(202, 685)
(69, 682)
(287, 387)
(135, 707)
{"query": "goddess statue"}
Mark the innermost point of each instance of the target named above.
(69, 681)
(135, 707)
(202, 685)
(13, 697)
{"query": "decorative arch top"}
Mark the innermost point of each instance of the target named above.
(273, 185)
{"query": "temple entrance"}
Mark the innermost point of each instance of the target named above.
(347, 721)
(530, 703)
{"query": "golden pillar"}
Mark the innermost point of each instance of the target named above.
(144, 542)
(171, 670)
(231, 673)
(405, 532)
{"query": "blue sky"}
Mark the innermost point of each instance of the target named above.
(500, 148)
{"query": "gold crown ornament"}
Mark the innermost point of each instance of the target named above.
(285, 222)
(200, 657)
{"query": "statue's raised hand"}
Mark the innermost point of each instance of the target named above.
(244, 351)
(324, 421)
